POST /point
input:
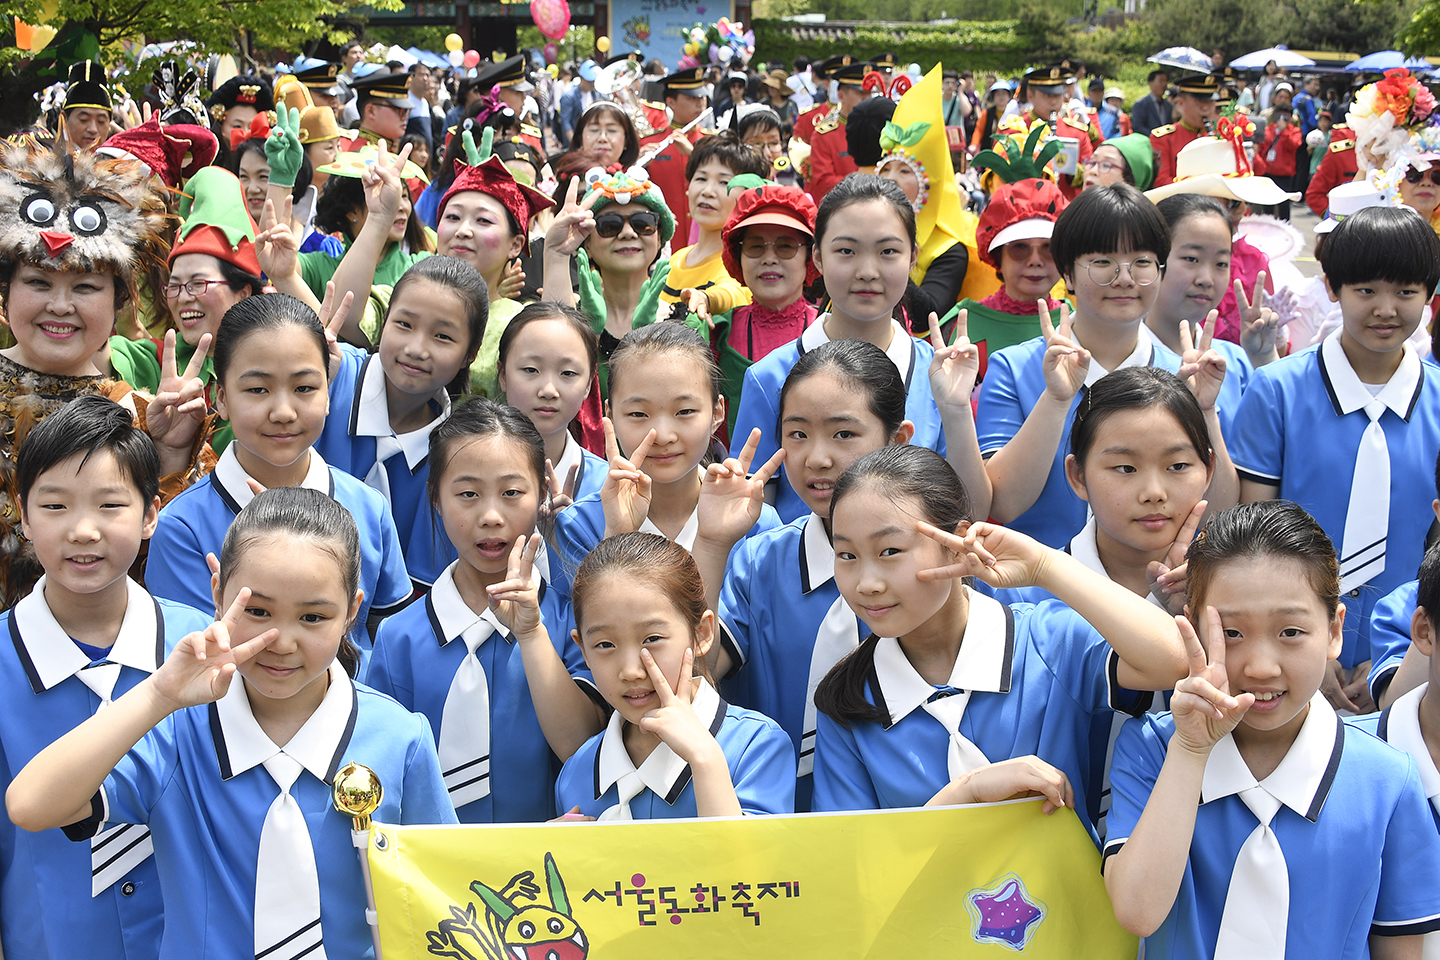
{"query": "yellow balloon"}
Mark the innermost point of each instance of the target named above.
(603, 44)
(553, 70)
(453, 42)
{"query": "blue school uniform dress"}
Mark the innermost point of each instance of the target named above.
(760, 402)
(1014, 384)
(1360, 846)
(1390, 634)
(356, 430)
(59, 899)
(784, 624)
(199, 782)
(580, 526)
(195, 523)
(1038, 678)
(1300, 427)
(757, 751)
(590, 470)
(1238, 371)
(416, 660)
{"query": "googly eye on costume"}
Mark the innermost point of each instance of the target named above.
(88, 219)
(38, 209)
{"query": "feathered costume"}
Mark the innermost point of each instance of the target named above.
(71, 213)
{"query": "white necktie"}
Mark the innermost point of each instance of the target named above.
(379, 478)
(963, 755)
(837, 636)
(287, 887)
(465, 724)
(1367, 520)
(1257, 905)
(116, 851)
(627, 788)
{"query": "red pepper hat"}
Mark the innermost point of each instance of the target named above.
(765, 202)
(1024, 210)
(494, 178)
(174, 152)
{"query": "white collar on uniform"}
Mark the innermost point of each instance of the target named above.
(817, 556)
(50, 656)
(1401, 724)
(1085, 547)
(370, 414)
(450, 615)
(1301, 781)
(987, 654)
(1348, 394)
(901, 350)
(572, 456)
(318, 745)
(663, 772)
(229, 478)
(1139, 357)
(686, 537)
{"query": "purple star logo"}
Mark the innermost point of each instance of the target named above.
(1004, 913)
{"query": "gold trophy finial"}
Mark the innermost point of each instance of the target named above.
(358, 792)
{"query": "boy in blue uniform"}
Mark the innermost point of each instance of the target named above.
(1360, 406)
(88, 482)
(1412, 722)
(1251, 822)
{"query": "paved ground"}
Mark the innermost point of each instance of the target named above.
(1301, 216)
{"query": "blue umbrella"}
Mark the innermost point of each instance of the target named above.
(1184, 58)
(1387, 60)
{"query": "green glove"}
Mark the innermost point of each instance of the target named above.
(648, 306)
(475, 156)
(283, 149)
(592, 295)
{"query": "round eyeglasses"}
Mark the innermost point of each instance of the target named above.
(1104, 271)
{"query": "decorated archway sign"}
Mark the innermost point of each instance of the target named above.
(660, 28)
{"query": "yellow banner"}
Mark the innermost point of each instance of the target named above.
(976, 881)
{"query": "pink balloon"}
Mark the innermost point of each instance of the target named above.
(472, 58)
(551, 16)
(552, 53)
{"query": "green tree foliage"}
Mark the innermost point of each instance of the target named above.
(1238, 26)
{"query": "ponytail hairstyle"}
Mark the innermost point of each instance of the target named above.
(265, 313)
(289, 514)
(463, 280)
(478, 419)
(1270, 528)
(862, 188)
(911, 477)
(861, 366)
(1181, 205)
(543, 310)
(650, 559)
(637, 346)
(1139, 388)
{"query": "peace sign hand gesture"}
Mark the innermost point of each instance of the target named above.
(176, 415)
(276, 246)
(561, 495)
(200, 668)
(332, 318)
(516, 599)
(573, 223)
(953, 369)
(383, 186)
(1203, 709)
(1066, 362)
(1167, 578)
(625, 494)
(1202, 368)
(1259, 325)
(997, 555)
(674, 721)
(731, 498)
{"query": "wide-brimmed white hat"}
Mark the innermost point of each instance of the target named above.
(1209, 165)
(1350, 198)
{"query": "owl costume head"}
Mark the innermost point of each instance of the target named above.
(81, 213)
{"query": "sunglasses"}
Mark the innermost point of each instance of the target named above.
(643, 222)
(785, 248)
(1416, 176)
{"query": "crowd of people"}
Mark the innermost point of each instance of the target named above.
(834, 438)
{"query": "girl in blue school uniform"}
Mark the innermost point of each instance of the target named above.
(497, 688)
(1110, 244)
(952, 681)
(665, 406)
(1350, 428)
(548, 359)
(673, 747)
(88, 482)
(1249, 821)
(864, 249)
(782, 622)
(228, 751)
(387, 403)
(270, 362)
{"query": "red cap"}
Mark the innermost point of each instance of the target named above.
(783, 206)
(494, 178)
(212, 240)
(165, 149)
(1012, 204)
